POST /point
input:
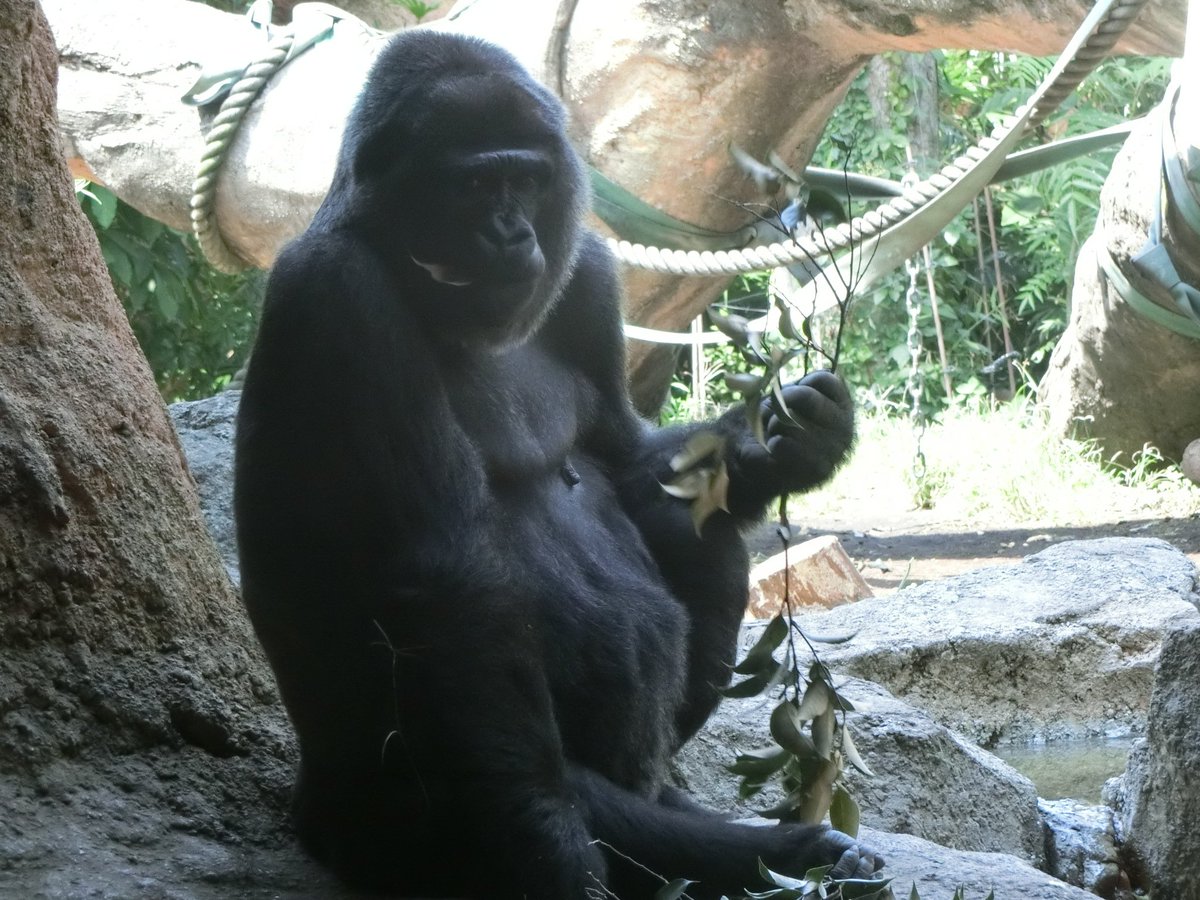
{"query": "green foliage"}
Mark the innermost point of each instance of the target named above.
(193, 323)
(1042, 220)
(418, 9)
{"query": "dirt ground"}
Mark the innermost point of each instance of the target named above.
(893, 550)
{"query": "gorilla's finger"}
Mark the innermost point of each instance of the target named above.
(847, 865)
(807, 406)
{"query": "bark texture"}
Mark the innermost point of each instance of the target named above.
(139, 726)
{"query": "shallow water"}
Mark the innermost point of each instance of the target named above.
(1075, 769)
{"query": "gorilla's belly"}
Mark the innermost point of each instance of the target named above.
(608, 622)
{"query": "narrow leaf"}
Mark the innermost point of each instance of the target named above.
(698, 448)
(768, 641)
(673, 890)
(822, 733)
(851, 753)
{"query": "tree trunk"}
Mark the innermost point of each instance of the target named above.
(1117, 376)
(139, 723)
(658, 91)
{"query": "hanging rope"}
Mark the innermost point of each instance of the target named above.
(1091, 43)
(1095, 38)
(220, 136)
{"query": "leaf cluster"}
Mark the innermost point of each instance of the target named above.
(193, 323)
(808, 724)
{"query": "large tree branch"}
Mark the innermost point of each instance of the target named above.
(657, 91)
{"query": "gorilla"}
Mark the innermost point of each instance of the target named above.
(490, 624)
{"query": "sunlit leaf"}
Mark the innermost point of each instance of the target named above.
(822, 732)
(830, 638)
(673, 890)
(700, 446)
(786, 881)
(816, 700)
(851, 753)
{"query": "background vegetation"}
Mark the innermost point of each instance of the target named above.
(196, 324)
(1041, 220)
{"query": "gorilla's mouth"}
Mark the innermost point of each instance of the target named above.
(444, 274)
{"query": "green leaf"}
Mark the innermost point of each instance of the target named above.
(822, 733)
(761, 763)
(733, 326)
(851, 753)
(744, 383)
(756, 684)
(865, 889)
(759, 655)
(786, 881)
(117, 260)
(786, 728)
(843, 812)
(103, 205)
(817, 700)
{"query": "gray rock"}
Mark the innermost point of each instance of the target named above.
(1160, 814)
(205, 429)
(1060, 645)
(928, 781)
(938, 872)
(1081, 846)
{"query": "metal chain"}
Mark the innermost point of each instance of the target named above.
(915, 386)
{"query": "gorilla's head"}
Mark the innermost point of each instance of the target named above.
(455, 167)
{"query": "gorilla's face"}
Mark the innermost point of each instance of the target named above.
(477, 199)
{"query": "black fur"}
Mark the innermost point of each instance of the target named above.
(490, 625)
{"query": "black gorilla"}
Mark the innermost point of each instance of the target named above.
(490, 624)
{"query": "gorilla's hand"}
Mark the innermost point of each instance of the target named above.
(805, 443)
(798, 848)
(855, 860)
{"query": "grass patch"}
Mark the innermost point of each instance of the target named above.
(996, 468)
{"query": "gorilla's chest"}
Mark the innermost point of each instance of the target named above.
(554, 519)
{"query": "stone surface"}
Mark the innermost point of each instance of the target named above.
(928, 781)
(205, 429)
(1081, 846)
(1060, 645)
(816, 572)
(1191, 461)
(1160, 813)
(938, 872)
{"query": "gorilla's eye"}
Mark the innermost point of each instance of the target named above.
(525, 183)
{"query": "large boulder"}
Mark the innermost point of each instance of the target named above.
(928, 781)
(1060, 645)
(1116, 375)
(1081, 846)
(1159, 800)
(937, 872)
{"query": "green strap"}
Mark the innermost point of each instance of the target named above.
(1153, 262)
(1175, 322)
(636, 221)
